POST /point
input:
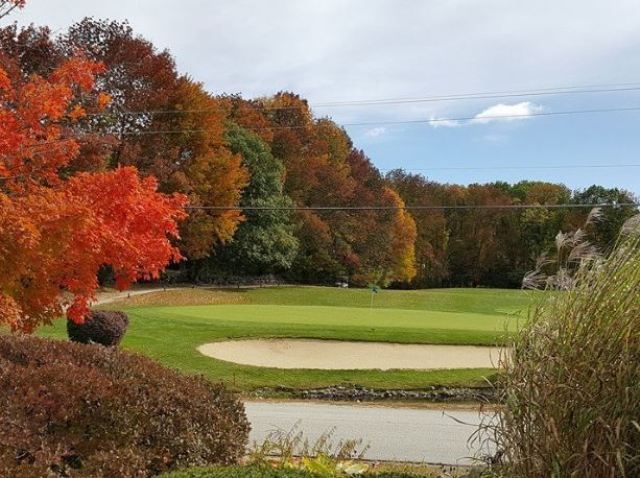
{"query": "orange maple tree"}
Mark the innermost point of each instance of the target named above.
(56, 229)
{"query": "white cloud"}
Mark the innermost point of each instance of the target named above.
(375, 132)
(500, 112)
(443, 122)
(503, 112)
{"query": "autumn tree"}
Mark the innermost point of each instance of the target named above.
(317, 174)
(194, 158)
(57, 231)
(398, 264)
(28, 50)
(165, 125)
(137, 76)
(432, 234)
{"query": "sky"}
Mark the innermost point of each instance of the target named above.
(332, 51)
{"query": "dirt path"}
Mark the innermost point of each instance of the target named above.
(340, 355)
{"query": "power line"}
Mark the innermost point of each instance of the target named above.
(491, 168)
(550, 90)
(476, 96)
(415, 208)
(556, 90)
(401, 168)
(420, 121)
(498, 117)
(391, 101)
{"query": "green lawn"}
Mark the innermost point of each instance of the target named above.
(455, 316)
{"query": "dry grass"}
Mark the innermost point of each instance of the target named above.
(571, 385)
(178, 297)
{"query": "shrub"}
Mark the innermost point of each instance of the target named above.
(267, 472)
(570, 386)
(102, 327)
(75, 410)
(240, 472)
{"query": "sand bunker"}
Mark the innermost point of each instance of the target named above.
(333, 355)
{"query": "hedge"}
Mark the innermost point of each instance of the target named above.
(75, 410)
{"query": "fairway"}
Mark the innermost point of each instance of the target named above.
(172, 334)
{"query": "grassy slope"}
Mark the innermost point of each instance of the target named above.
(171, 334)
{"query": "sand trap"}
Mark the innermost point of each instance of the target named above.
(332, 354)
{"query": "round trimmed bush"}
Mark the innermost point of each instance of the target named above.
(104, 327)
(75, 410)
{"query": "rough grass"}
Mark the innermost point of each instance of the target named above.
(171, 334)
(178, 297)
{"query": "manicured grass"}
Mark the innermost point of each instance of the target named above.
(458, 316)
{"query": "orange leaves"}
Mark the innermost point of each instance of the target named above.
(5, 83)
(9, 311)
(403, 238)
(103, 100)
(34, 143)
(129, 228)
(197, 163)
(77, 112)
(77, 71)
(55, 234)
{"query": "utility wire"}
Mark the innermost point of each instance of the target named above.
(401, 168)
(418, 121)
(492, 168)
(594, 88)
(393, 101)
(415, 208)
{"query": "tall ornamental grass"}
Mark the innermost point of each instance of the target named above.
(571, 382)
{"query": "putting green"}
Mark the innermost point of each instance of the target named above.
(343, 316)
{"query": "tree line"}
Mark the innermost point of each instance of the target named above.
(226, 152)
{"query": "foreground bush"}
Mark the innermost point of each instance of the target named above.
(104, 327)
(240, 472)
(267, 472)
(571, 386)
(74, 410)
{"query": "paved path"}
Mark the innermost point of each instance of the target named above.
(109, 297)
(402, 434)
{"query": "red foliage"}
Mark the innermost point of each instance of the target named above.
(56, 233)
(72, 410)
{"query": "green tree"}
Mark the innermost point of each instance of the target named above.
(605, 230)
(265, 242)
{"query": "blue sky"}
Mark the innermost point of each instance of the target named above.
(344, 50)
